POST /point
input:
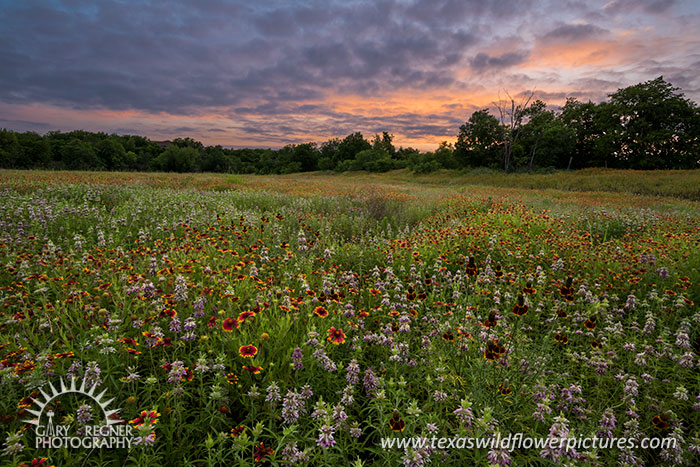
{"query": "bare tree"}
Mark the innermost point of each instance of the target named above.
(511, 116)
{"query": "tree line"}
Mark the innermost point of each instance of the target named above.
(650, 125)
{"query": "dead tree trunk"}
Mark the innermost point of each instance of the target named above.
(512, 120)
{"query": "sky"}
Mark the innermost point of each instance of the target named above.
(270, 73)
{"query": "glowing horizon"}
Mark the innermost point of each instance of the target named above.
(240, 75)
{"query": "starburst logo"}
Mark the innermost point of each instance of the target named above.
(108, 435)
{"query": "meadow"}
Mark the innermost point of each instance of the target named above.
(300, 319)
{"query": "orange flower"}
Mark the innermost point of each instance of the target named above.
(321, 312)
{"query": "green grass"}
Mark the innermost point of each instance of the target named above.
(95, 264)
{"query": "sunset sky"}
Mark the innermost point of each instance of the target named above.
(269, 73)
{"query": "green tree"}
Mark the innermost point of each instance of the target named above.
(177, 159)
(307, 156)
(372, 160)
(36, 150)
(350, 146)
(10, 149)
(214, 159)
(580, 118)
(383, 143)
(479, 141)
(79, 155)
(659, 126)
(111, 154)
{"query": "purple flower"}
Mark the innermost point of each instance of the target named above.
(180, 288)
(607, 423)
(175, 325)
(292, 407)
(353, 372)
(370, 382)
(355, 430)
(177, 372)
(273, 394)
(325, 438)
(92, 374)
(190, 324)
(84, 414)
(499, 457)
(297, 355)
(464, 413)
(439, 396)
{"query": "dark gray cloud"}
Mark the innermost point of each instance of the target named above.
(24, 124)
(574, 33)
(270, 66)
(178, 57)
(483, 62)
(648, 6)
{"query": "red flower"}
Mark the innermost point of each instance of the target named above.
(212, 322)
(336, 336)
(247, 351)
(244, 315)
(591, 323)
(498, 272)
(237, 431)
(253, 369)
(567, 291)
(504, 390)
(494, 350)
(261, 452)
(37, 463)
(520, 309)
(321, 312)
(232, 378)
(561, 338)
(128, 341)
(491, 321)
(146, 416)
(229, 324)
(471, 268)
(396, 423)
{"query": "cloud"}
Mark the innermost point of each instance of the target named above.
(648, 6)
(483, 62)
(573, 33)
(288, 71)
(31, 124)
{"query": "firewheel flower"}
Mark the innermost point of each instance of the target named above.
(336, 336)
(229, 324)
(261, 452)
(248, 351)
(149, 417)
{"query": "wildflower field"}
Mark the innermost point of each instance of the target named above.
(242, 320)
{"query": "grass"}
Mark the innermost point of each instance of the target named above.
(357, 295)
